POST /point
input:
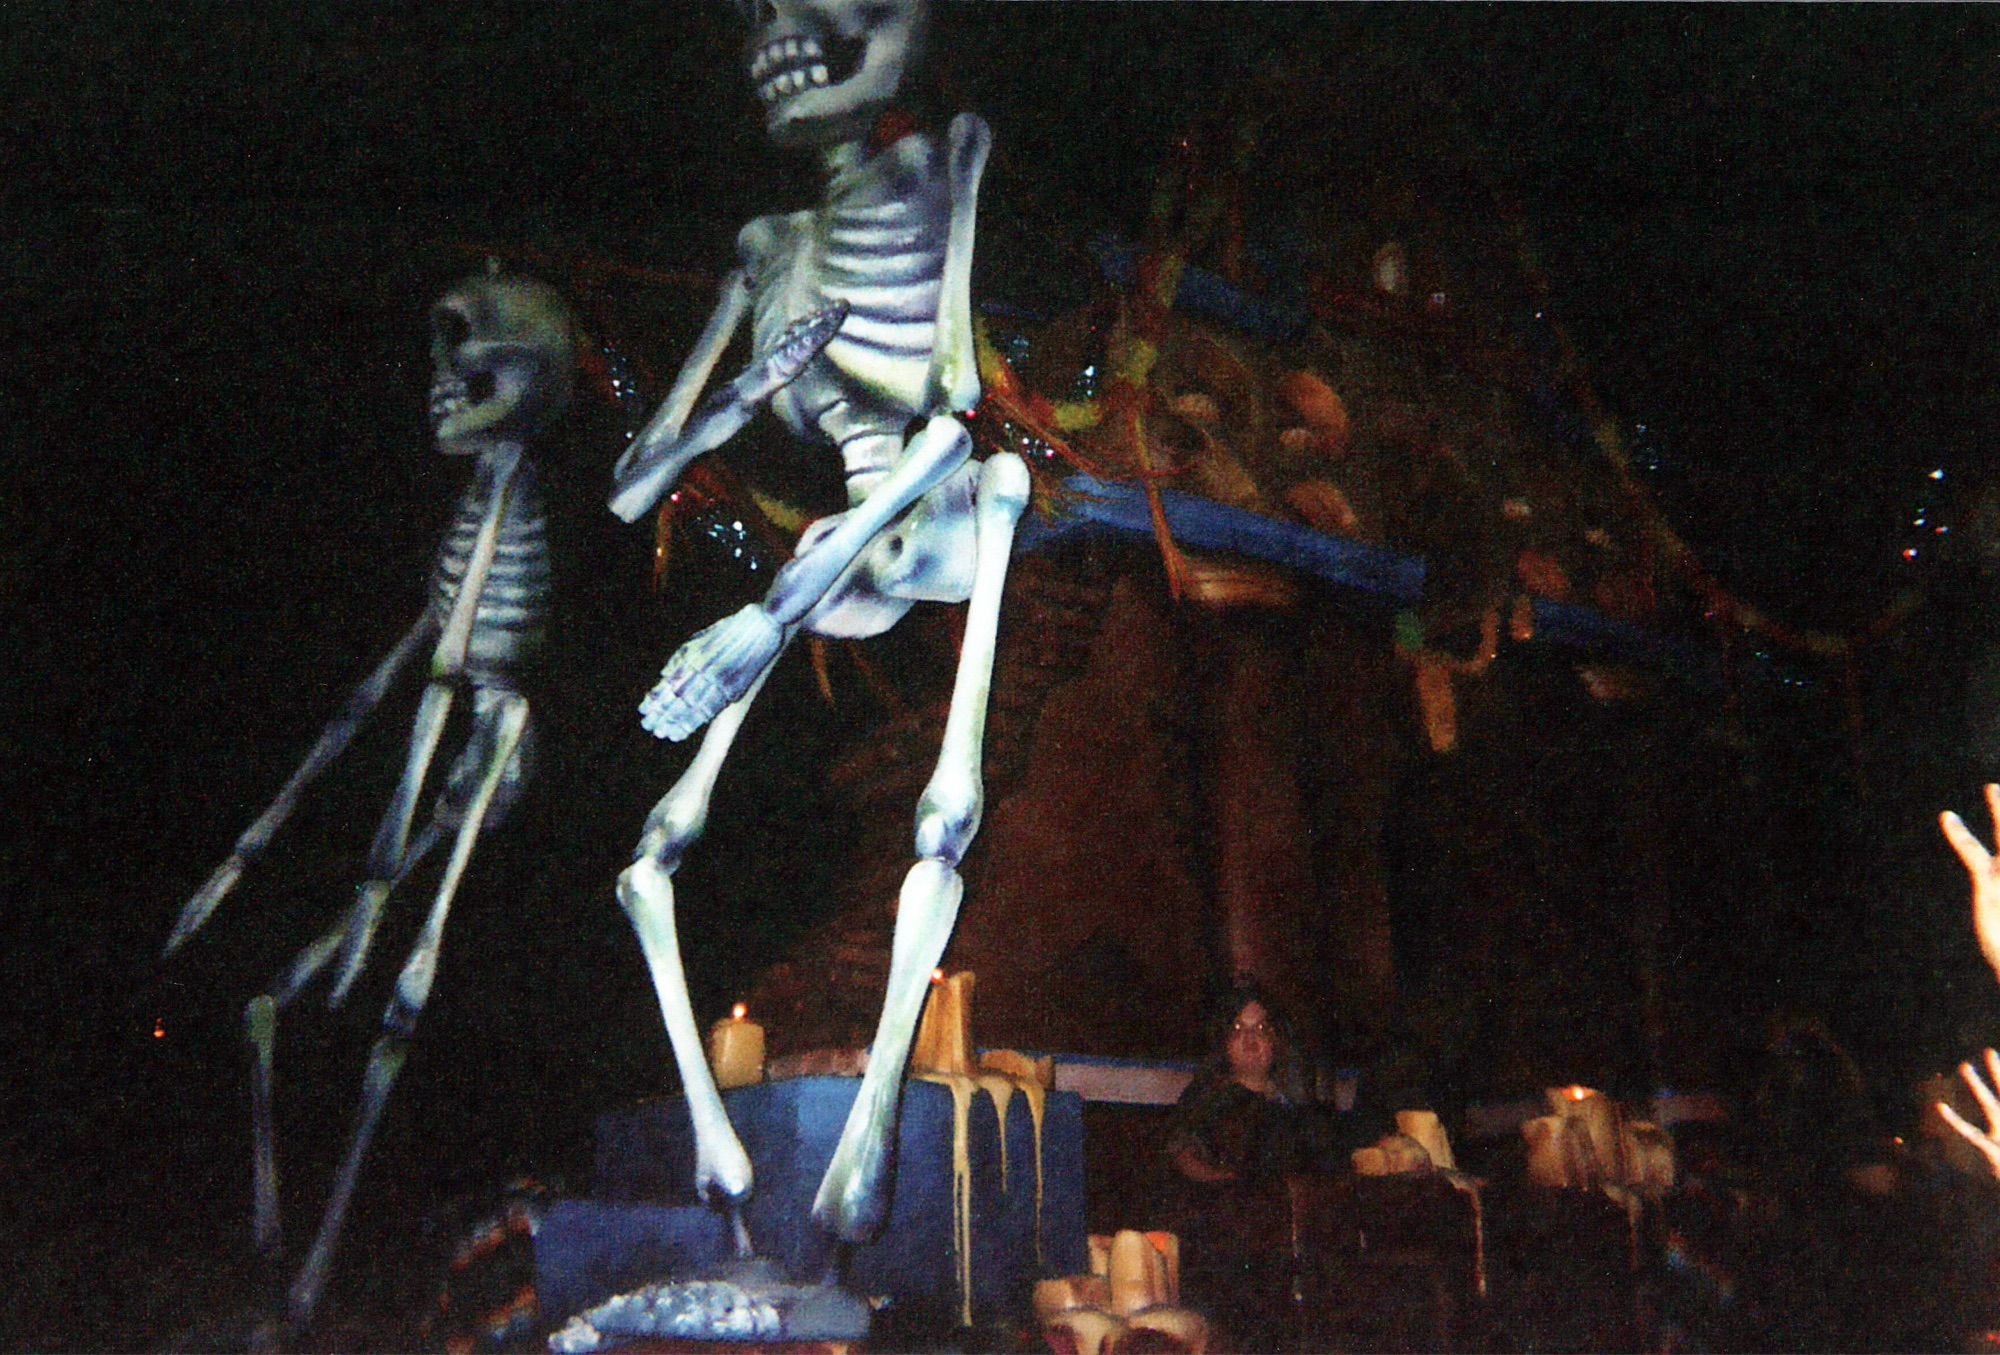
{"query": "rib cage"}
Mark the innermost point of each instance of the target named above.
(878, 244)
(512, 619)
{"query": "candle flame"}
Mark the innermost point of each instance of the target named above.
(937, 976)
(1578, 1093)
(738, 1012)
(159, 1030)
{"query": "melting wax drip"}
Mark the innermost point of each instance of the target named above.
(1038, 1098)
(963, 1091)
(1001, 1088)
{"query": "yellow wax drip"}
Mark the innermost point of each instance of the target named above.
(1001, 1088)
(962, 1089)
(1038, 1098)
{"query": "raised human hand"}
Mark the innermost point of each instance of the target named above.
(1987, 1141)
(1985, 872)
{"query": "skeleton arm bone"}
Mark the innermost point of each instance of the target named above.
(955, 362)
(654, 461)
(1984, 871)
(333, 741)
(447, 663)
(722, 416)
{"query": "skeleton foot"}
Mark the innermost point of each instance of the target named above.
(712, 670)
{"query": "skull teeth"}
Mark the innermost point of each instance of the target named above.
(784, 54)
(787, 66)
(449, 399)
(792, 81)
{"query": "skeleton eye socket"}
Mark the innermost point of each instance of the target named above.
(451, 328)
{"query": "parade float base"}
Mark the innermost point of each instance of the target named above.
(643, 1222)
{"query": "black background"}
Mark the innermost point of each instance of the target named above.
(1770, 229)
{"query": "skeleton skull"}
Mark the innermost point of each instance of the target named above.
(502, 363)
(827, 69)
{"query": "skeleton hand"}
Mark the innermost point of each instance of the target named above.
(710, 671)
(1985, 873)
(664, 447)
(1987, 1141)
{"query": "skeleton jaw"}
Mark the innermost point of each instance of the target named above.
(456, 411)
(473, 411)
(825, 70)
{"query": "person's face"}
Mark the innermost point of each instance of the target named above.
(1253, 1045)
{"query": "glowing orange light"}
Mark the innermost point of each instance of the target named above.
(159, 1030)
(937, 976)
(738, 1012)
(1578, 1093)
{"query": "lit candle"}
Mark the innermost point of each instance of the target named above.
(1597, 1115)
(944, 1040)
(736, 1050)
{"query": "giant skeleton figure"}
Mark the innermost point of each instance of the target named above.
(503, 360)
(861, 312)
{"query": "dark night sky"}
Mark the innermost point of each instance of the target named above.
(1769, 228)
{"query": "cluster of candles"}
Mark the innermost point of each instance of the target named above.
(1586, 1141)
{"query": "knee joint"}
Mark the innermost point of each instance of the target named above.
(947, 820)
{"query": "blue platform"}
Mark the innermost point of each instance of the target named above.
(644, 1211)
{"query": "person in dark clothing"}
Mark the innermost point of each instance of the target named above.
(1239, 1130)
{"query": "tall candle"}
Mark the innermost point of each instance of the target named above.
(944, 1039)
(736, 1050)
(1597, 1116)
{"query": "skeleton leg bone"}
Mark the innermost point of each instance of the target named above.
(510, 718)
(333, 741)
(646, 893)
(260, 1029)
(853, 1198)
(385, 856)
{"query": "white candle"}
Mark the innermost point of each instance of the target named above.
(1556, 1158)
(736, 1050)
